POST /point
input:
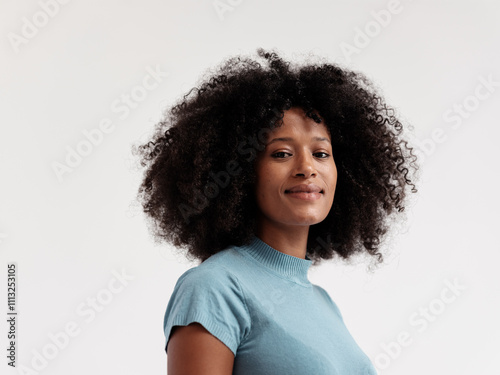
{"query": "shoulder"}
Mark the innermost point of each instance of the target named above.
(215, 280)
(326, 297)
(211, 294)
(222, 268)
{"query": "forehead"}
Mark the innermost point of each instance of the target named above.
(296, 122)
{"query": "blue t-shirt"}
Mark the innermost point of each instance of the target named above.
(259, 302)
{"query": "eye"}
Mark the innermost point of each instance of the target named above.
(322, 157)
(280, 154)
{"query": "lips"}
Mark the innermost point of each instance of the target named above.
(305, 188)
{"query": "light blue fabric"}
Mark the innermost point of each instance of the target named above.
(259, 302)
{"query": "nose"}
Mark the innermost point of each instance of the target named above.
(305, 165)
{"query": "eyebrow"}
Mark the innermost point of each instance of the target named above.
(288, 139)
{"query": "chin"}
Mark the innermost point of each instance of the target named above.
(308, 220)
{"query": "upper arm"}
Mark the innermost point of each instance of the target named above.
(193, 350)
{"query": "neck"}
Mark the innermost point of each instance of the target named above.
(290, 240)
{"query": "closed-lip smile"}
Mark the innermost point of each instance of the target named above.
(304, 188)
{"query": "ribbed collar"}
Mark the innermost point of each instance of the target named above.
(286, 266)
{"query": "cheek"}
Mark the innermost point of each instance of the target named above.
(328, 169)
(265, 180)
(264, 198)
(260, 184)
(266, 188)
(333, 174)
(331, 179)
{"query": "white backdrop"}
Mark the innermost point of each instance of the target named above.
(92, 286)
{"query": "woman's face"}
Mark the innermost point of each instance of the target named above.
(297, 153)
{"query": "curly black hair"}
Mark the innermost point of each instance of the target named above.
(197, 188)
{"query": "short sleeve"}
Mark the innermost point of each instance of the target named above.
(212, 297)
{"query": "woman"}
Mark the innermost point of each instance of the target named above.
(242, 174)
